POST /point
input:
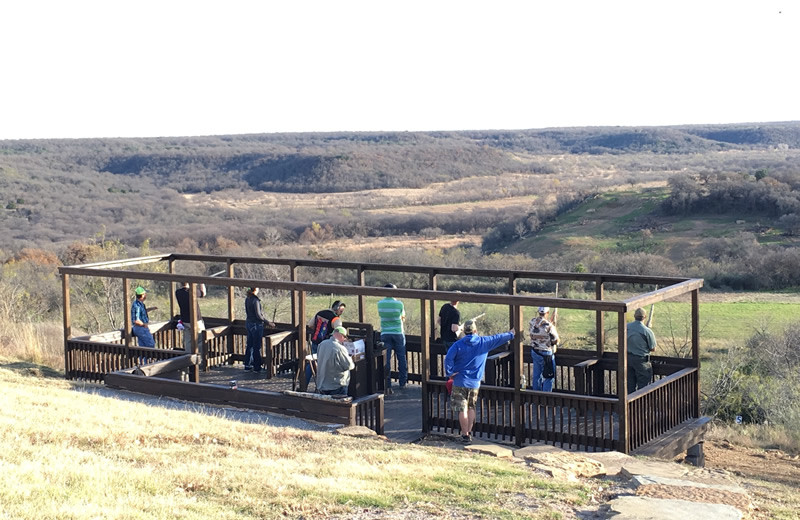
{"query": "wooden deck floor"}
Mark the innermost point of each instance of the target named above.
(402, 408)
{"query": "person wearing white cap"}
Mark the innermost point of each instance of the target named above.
(544, 341)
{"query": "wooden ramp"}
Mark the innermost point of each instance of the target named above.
(403, 414)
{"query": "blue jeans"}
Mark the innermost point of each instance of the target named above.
(396, 343)
(143, 336)
(540, 383)
(314, 347)
(252, 353)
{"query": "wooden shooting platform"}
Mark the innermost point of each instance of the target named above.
(589, 409)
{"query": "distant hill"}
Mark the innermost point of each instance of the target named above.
(325, 162)
(58, 190)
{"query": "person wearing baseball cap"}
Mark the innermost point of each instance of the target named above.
(641, 342)
(334, 364)
(544, 341)
(140, 319)
(465, 364)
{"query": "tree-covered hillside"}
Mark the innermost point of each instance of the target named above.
(203, 189)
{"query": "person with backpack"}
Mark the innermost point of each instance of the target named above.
(544, 342)
(255, 330)
(322, 325)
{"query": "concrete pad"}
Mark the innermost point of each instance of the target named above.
(643, 508)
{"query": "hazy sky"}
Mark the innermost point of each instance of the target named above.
(114, 68)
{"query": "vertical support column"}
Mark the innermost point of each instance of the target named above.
(512, 289)
(696, 348)
(433, 286)
(293, 278)
(231, 308)
(302, 348)
(600, 337)
(194, 371)
(171, 268)
(173, 333)
(519, 424)
(425, 348)
(361, 280)
(622, 382)
(126, 309)
(67, 323)
(599, 327)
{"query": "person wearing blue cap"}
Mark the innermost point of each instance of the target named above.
(140, 319)
(544, 341)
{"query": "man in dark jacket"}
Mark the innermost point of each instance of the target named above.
(255, 330)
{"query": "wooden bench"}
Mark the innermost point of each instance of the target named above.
(687, 436)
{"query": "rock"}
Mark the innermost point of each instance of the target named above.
(489, 449)
(644, 508)
(355, 431)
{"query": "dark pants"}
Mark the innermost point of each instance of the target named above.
(252, 353)
(640, 372)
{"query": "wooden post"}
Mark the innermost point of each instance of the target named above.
(302, 348)
(600, 337)
(599, 318)
(512, 289)
(361, 280)
(696, 348)
(293, 278)
(433, 286)
(173, 334)
(622, 382)
(126, 306)
(195, 369)
(425, 348)
(172, 285)
(231, 307)
(519, 426)
(67, 322)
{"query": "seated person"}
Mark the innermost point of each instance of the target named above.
(334, 364)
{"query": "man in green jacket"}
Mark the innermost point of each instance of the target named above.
(641, 342)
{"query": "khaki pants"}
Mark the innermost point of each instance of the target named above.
(187, 337)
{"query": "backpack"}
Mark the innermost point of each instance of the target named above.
(320, 331)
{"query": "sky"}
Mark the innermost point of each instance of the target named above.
(124, 68)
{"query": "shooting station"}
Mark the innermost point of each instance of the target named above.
(589, 409)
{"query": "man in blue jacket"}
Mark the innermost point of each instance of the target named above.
(465, 363)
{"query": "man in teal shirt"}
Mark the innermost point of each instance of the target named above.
(392, 314)
(641, 342)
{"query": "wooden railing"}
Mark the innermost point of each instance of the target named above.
(570, 421)
(657, 408)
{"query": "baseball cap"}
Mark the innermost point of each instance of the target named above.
(390, 286)
(639, 313)
(544, 310)
(140, 291)
(470, 326)
(338, 304)
(341, 330)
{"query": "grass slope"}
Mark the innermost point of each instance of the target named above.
(66, 453)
